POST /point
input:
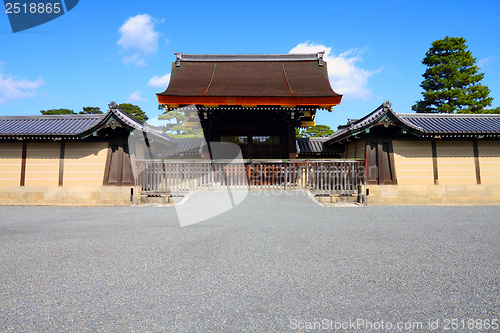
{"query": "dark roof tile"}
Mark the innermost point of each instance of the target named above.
(63, 125)
(250, 79)
(315, 146)
(454, 123)
(424, 124)
(73, 125)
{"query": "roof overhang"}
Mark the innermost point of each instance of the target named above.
(382, 116)
(437, 126)
(211, 101)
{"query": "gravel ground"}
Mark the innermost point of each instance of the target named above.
(273, 263)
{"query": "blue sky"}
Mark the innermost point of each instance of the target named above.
(122, 51)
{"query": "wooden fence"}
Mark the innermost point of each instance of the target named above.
(319, 177)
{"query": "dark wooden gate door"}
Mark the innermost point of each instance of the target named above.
(118, 170)
(380, 162)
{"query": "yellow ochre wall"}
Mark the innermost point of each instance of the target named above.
(84, 163)
(10, 163)
(413, 162)
(455, 160)
(489, 162)
(42, 164)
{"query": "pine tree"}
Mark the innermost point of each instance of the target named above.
(56, 112)
(177, 128)
(134, 111)
(316, 131)
(452, 81)
(91, 110)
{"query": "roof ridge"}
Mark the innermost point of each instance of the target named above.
(449, 115)
(53, 116)
(250, 57)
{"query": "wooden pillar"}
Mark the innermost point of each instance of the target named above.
(476, 162)
(61, 164)
(434, 162)
(23, 163)
(371, 169)
(291, 141)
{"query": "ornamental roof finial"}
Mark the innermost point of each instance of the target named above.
(320, 57)
(178, 59)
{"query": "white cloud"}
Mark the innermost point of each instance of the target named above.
(135, 97)
(135, 60)
(346, 77)
(485, 61)
(139, 37)
(12, 88)
(159, 81)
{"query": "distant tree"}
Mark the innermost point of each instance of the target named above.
(56, 112)
(134, 111)
(91, 110)
(452, 82)
(316, 131)
(492, 111)
(176, 126)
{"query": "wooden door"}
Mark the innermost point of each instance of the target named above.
(118, 170)
(380, 162)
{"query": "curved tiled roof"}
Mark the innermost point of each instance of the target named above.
(70, 126)
(454, 123)
(424, 124)
(315, 146)
(281, 79)
(57, 125)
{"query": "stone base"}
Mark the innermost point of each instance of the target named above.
(160, 199)
(335, 198)
(69, 196)
(433, 195)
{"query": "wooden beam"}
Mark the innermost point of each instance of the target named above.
(23, 163)
(324, 102)
(476, 162)
(305, 123)
(108, 164)
(434, 162)
(392, 163)
(61, 163)
(119, 169)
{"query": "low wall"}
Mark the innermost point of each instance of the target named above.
(433, 195)
(69, 196)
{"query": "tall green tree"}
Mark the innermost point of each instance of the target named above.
(315, 131)
(56, 112)
(91, 110)
(134, 111)
(452, 82)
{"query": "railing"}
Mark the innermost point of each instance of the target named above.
(320, 177)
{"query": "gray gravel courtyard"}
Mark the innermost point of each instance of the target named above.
(273, 263)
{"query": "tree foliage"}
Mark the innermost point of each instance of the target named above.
(452, 82)
(176, 127)
(492, 111)
(134, 111)
(56, 112)
(91, 110)
(314, 131)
